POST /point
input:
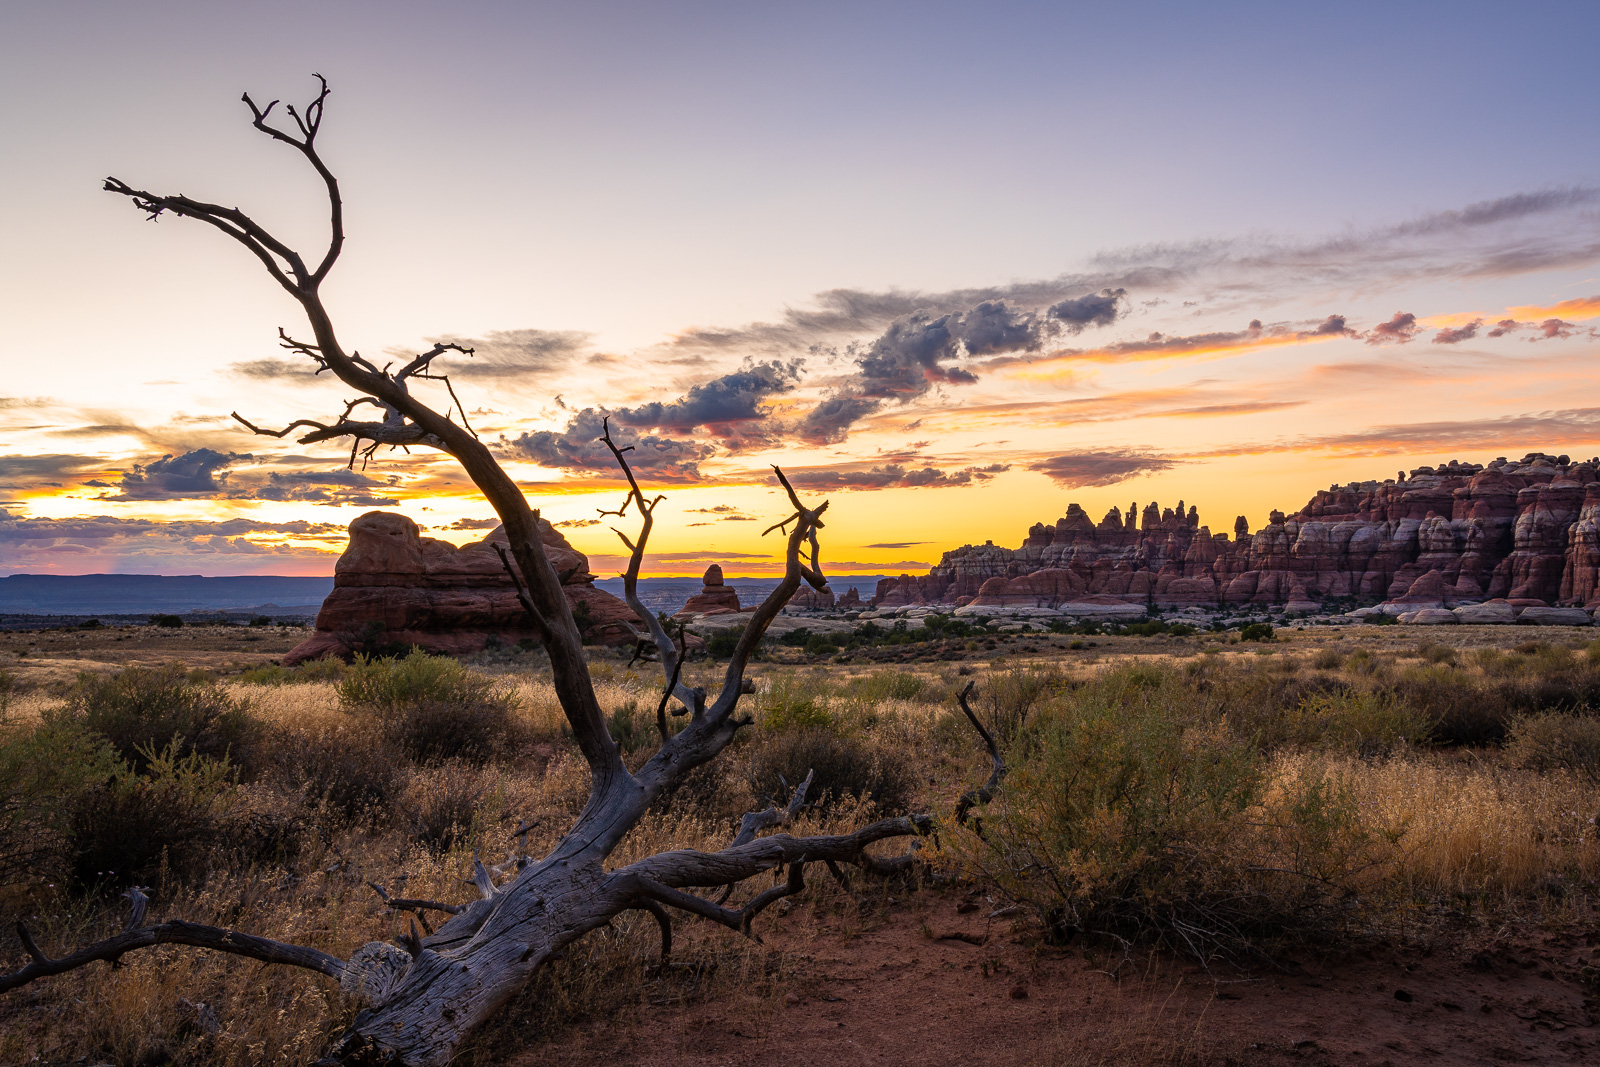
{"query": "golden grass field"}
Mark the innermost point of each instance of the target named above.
(1213, 804)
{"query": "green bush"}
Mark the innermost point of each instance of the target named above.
(1257, 631)
(721, 644)
(432, 708)
(887, 685)
(45, 770)
(841, 767)
(142, 710)
(820, 645)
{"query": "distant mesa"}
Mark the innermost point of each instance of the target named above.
(1458, 543)
(1479, 543)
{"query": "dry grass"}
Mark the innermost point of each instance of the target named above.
(1461, 828)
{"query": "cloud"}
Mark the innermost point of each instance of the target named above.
(897, 544)
(1220, 342)
(267, 370)
(513, 354)
(337, 487)
(48, 471)
(200, 473)
(1398, 330)
(1540, 430)
(104, 543)
(830, 421)
(1093, 309)
(1457, 334)
(1583, 307)
(473, 524)
(579, 447)
(1548, 330)
(574, 524)
(1083, 469)
(728, 407)
(889, 476)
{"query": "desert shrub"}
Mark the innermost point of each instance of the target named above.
(316, 670)
(820, 645)
(145, 710)
(45, 770)
(721, 644)
(344, 772)
(1433, 652)
(1328, 659)
(432, 708)
(1363, 722)
(1006, 699)
(1256, 631)
(447, 805)
(880, 686)
(1547, 740)
(1462, 711)
(842, 767)
(8, 692)
(1364, 661)
(171, 622)
(790, 703)
(1122, 819)
(633, 728)
(162, 819)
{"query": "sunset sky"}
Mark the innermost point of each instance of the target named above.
(953, 266)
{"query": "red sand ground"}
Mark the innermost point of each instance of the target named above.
(903, 993)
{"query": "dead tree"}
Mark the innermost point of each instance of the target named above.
(427, 994)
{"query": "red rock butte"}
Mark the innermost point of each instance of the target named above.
(397, 587)
(1524, 532)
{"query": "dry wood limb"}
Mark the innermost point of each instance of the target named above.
(756, 821)
(172, 932)
(671, 656)
(414, 904)
(986, 792)
(523, 598)
(672, 685)
(663, 920)
(733, 918)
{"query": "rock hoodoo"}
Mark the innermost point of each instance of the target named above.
(394, 586)
(1524, 532)
(714, 597)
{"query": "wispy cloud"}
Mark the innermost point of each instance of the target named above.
(1078, 470)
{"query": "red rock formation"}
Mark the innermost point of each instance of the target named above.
(394, 586)
(714, 597)
(1527, 530)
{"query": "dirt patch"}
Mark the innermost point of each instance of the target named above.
(936, 982)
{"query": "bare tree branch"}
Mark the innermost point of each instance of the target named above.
(986, 792)
(173, 932)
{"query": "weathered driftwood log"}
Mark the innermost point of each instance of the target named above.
(427, 994)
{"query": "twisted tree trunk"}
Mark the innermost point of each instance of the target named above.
(427, 994)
